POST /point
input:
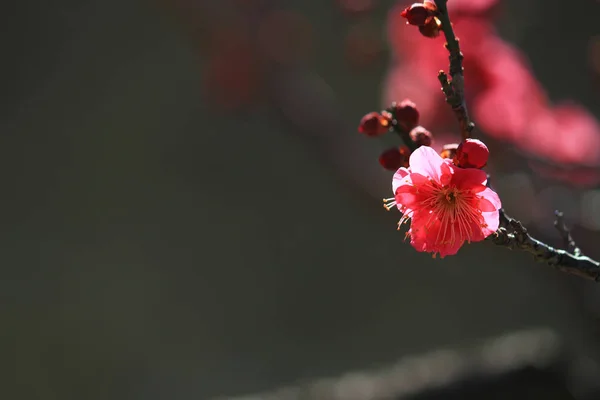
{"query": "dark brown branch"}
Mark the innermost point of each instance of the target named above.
(454, 87)
(565, 233)
(514, 235)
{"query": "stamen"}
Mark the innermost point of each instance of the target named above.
(403, 220)
(388, 207)
(391, 203)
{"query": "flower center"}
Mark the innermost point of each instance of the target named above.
(448, 198)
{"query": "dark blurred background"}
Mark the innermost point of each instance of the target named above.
(181, 222)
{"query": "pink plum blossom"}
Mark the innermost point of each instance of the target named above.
(446, 205)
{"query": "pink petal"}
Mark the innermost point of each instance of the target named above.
(427, 162)
(419, 235)
(427, 235)
(417, 241)
(447, 172)
(405, 196)
(479, 188)
(418, 179)
(492, 219)
(468, 178)
(399, 179)
(485, 205)
(492, 197)
(450, 249)
(476, 234)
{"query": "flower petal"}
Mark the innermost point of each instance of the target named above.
(491, 197)
(446, 173)
(492, 220)
(418, 179)
(399, 179)
(427, 162)
(479, 188)
(417, 241)
(418, 231)
(468, 178)
(430, 235)
(450, 249)
(406, 196)
(475, 233)
(485, 205)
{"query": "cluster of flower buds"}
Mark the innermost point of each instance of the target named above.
(403, 119)
(424, 15)
(399, 117)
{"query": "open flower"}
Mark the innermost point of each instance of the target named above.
(447, 205)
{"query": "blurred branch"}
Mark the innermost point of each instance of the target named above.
(439, 369)
(454, 87)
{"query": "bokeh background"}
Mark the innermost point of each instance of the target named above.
(189, 212)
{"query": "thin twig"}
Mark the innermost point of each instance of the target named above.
(405, 136)
(562, 260)
(565, 233)
(454, 88)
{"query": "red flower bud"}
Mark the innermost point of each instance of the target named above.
(421, 136)
(449, 151)
(374, 124)
(394, 158)
(416, 14)
(406, 114)
(430, 5)
(471, 153)
(431, 28)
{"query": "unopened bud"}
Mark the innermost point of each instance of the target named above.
(421, 136)
(431, 28)
(406, 114)
(374, 124)
(394, 158)
(471, 153)
(416, 14)
(430, 5)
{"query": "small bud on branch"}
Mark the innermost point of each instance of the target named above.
(471, 153)
(374, 124)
